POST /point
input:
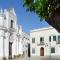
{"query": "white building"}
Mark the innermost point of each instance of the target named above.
(22, 42)
(7, 28)
(17, 45)
(11, 36)
(25, 42)
(44, 42)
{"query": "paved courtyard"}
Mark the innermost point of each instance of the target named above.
(38, 58)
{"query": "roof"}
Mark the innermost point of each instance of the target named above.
(41, 29)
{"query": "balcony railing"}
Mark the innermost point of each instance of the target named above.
(41, 43)
(58, 42)
(11, 30)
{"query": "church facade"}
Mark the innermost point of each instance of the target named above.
(45, 42)
(11, 35)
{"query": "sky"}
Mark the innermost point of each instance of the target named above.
(27, 20)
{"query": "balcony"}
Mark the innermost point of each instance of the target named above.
(41, 43)
(11, 30)
(58, 42)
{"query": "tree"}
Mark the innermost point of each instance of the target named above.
(46, 9)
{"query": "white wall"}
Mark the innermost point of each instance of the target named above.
(1, 44)
(44, 32)
(5, 23)
(6, 44)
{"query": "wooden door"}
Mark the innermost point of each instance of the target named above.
(41, 51)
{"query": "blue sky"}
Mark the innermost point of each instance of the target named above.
(28, 20)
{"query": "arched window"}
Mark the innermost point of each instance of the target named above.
(11, 23)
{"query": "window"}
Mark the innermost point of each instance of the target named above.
(33, 50)
(41, 40)
(58, 38)
(54, 38)
(11, 23)
(33, 40)
(52, 50)
(49, 38)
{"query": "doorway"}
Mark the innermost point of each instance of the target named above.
(28, 50)
(41, 51)
(10, 50)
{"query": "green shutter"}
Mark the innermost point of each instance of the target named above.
(58, 38)
(52, 50)
(54, 38)
(49, 38)
(33, 40)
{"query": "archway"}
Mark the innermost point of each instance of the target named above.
(41, 51)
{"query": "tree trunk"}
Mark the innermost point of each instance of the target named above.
(54, 20)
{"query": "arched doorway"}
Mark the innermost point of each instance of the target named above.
(41, 51)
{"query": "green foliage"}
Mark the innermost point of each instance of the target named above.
(43, 8)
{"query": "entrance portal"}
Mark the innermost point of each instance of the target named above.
(41, 51)
(10, 50)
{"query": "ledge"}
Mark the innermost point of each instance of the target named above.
(41, 44)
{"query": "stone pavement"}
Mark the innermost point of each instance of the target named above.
(37, 58)
(43, 58)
